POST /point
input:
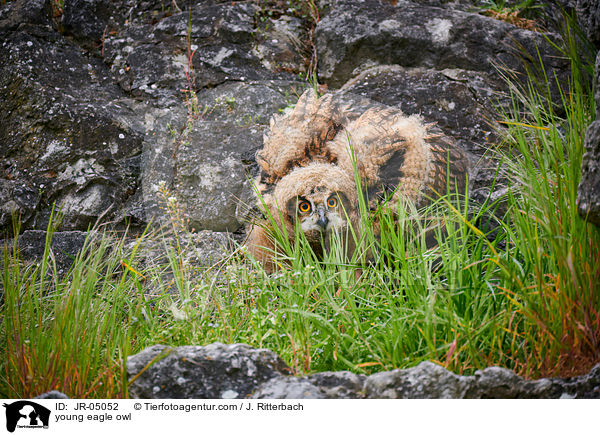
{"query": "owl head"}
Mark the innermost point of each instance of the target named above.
(319, 198)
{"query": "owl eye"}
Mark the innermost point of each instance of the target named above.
(304, 206)
(332, 202)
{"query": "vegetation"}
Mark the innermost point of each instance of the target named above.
(512, 282)
(521, 14)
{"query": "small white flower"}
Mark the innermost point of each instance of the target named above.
(177, 313)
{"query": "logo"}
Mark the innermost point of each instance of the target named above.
(26, 414)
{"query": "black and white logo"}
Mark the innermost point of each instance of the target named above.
(26, 414)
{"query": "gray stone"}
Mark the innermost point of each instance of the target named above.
(202, 248)
(210, 372)
(203, 153)
(73, 132)
(68, 135)
(501, 383)
(151, 60)
(248, 103)
(588, 191)
(588, 15)
(21, 12)
(326, 385)
(86, 19)
(211, 178)
(53, 394)
(163, 128)
(281, 44)
(425, 381)
(428, 380)
(65, 246)
(356, 35)
(339, 385)
(457, 101)
(233, 371)
(579, 387)
(206, 161)
(288, 388)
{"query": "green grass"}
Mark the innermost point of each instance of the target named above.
(502, 6)
(528, 299)
(556, 284)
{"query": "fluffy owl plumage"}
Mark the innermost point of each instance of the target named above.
(307, 171)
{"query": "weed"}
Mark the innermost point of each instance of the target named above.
(521, 14)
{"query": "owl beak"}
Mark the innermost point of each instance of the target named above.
(322, 221)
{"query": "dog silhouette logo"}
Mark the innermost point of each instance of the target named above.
(26, 414)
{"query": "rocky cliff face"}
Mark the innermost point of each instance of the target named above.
(93, 116)
(103, 100)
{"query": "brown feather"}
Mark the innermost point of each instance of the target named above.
(320, 141)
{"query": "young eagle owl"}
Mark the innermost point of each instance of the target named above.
(307, 174)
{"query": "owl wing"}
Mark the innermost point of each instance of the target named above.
(296, 137)
(449, 165)
(398, 155)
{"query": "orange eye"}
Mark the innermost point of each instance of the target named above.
(304, 207)
(332, 202)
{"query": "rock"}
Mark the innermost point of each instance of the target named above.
(20, 12)
(457, 101)
(501, 383)
(86, 19)
(199, 249)
(207, 166)
(426, 380)
(208, 247)
(158, 161)
(211, 181)
(288, 387)
(356, 35)
(74, 135)
(150, 60)
(249, 103)
(580, 387)
(98, 137)
(187, 372)
(588, 16)
(211, 372)
(65, 246)
(588, 192)
(52, 395)
(281, 44)
(68, 135)
(326, 385)
(339, 385)
(205, 154)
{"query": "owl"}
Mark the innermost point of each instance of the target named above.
(314, 154)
